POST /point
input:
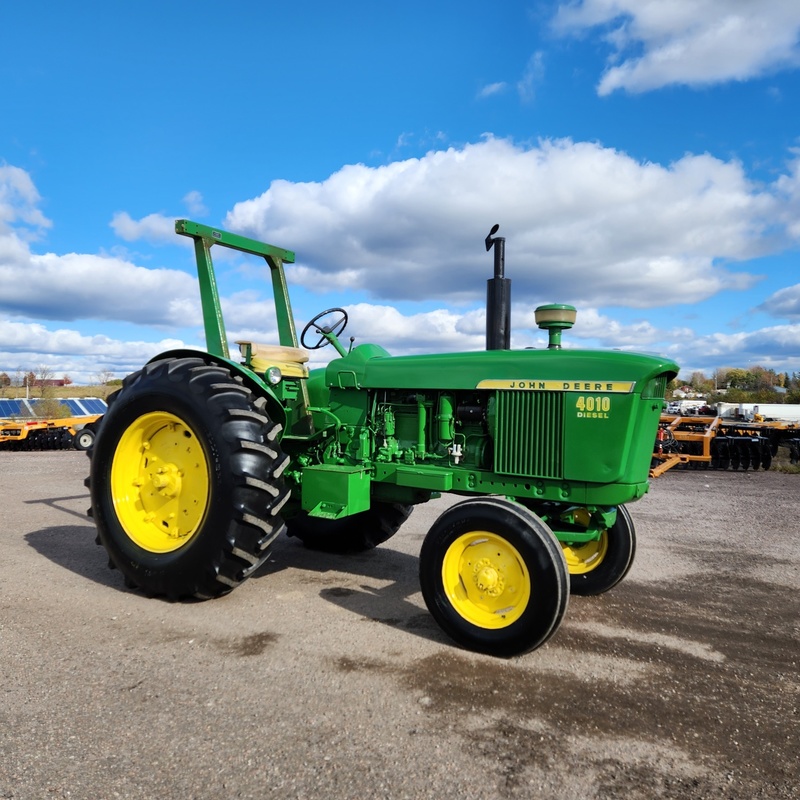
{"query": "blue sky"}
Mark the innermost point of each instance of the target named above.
(642, 158)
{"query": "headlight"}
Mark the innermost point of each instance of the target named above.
(273, 375)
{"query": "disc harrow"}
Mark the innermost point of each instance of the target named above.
(48, 434)
(706, 442)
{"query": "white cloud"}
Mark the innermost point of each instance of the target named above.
(74, 286)
(584, 224)
(531, 78)
(33, 337)
(24, 345)
(692, 42)
(581, 221)
(777, 347)
(195, 204)
(429, 331)
(492, 89)
(591, 324)
(784, 303)
(252, 315)
(18, 204)
(787, 189)
(154, 228)
(80, 286)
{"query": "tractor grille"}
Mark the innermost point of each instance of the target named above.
(529, 434)
(656, 388)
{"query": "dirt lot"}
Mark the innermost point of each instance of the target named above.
(325, 677)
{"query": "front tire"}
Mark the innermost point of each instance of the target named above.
(186, 479)
(493, 576)
(597, 566)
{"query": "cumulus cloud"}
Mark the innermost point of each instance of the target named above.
(75, 286)
(689, 42)
(584, 224)
(581, 221)
(154, 228)
(592, 325)
(23, 344)
(787, 189)
(80, 286)
(784, 303)
(775, 347)
(33, 337)
(428, 331)
(19, 201)
(250, 316)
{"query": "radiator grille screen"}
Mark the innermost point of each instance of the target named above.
(656, 388)
(529, 436)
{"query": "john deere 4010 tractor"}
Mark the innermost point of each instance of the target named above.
(202, 460)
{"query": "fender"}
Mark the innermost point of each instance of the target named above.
(275, 409)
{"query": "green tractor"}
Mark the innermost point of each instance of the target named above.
(202, 460)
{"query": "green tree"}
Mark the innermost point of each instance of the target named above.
(51, 408)
(765, 379)
(700, 383)
(741, 379)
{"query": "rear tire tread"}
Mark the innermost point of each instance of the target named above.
(251, 488)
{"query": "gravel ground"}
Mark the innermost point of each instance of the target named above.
(324, 676)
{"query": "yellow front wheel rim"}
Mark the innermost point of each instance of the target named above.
(486, 579)
(159, 482)
(583, 558)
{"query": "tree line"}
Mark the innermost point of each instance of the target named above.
(38, 381)
(754, 384)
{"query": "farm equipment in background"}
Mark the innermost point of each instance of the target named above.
(21, 429)
(48, 434)
(716, 442)
(202, 460)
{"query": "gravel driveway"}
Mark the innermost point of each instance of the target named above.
(324, 676)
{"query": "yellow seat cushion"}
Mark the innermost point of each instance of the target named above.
(290, 360)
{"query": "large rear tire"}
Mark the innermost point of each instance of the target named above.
(493, 576)
(352, 534)
(186, 479)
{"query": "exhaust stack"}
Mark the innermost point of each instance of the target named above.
(498, 297)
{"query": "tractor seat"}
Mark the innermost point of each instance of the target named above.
(260, 357)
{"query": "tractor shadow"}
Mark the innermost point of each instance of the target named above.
(73, 548)
(380, 585)
(58, 504)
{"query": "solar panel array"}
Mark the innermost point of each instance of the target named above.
(78, 407)
(94, 405)
(11, 408)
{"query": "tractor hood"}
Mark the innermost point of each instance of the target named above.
(371, 367)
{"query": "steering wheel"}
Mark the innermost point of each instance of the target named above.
(335, 327)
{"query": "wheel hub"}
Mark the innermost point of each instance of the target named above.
(488, 578)
(167, 480)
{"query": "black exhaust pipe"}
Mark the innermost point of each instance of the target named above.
(498, 297)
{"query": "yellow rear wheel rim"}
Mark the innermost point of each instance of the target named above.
(159, 482)
(486, 580)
